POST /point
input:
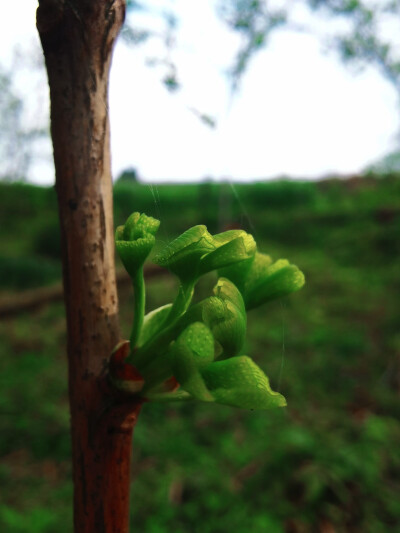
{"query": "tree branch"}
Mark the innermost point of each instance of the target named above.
(77, 40)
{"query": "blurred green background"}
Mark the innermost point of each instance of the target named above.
(329, 462)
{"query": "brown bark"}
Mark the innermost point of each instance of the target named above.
(77, 38)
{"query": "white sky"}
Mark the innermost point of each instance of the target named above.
(299, 112)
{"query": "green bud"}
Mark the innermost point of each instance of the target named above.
(135, 240)
(225, 315)
(192, 351)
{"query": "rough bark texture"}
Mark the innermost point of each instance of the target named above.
(77, 38)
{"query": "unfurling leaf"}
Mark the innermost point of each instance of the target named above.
(241, 383)
(232, 247)
(225, 315)
(193, 350)
(183, 254)
(264, 280)
(153, 323)
(197, 252)
(277, 280)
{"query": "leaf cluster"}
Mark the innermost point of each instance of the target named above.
(183, 351)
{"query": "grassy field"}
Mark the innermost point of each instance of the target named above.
(329, 462)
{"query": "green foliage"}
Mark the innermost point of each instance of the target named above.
(16, 139)
(365, 37)
(37, 521)
(388, 164)
(329, 460)
(183, 343)
(32, 272)
(47, 240)
(254, 20)
(129, 175)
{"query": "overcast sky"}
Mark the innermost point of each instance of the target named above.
(299, 112)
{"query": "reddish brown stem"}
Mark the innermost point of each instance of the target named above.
(77, 38)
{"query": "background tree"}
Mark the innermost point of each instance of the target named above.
(17, 139)
(365, 35)
(360, 32)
